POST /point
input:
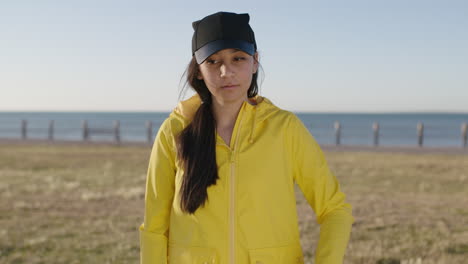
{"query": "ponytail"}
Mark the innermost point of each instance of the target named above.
(196, 148)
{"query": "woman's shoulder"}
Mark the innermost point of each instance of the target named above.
(284, 119)
(172, 126)
(273, 112)
(181, 116)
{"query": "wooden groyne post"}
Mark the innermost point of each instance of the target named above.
(51, 130)
(24, 129)
(376, 128)
(464, 131)
(149, 131)
(420, 131)
(337, 133)
(117, 131)
(84, 126)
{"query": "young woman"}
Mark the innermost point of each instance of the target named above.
(220, 185)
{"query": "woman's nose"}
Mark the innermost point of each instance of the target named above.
(226, 70)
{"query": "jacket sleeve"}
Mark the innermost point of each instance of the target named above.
(322, 191)
(158, 199)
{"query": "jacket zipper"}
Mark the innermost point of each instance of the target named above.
(232, 211)
(232, 206)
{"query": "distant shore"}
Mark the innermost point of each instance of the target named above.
(328, 148)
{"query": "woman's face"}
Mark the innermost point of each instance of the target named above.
(228, 74)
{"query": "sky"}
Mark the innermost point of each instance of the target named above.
(316, 56)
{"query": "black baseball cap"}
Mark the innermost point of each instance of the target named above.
(222, 30)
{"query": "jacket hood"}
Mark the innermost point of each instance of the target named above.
(260, 109)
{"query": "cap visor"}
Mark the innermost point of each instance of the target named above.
(217, 45)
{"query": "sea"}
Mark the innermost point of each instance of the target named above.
(395, 129)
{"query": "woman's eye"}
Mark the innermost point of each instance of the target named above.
(239, 58)
(209, 61)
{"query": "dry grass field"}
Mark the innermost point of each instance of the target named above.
(84, 203)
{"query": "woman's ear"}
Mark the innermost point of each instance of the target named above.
(256, 63)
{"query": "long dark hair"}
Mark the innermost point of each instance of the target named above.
(196, 144)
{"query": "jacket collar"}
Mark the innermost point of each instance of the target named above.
(258, 112)
(185, 110)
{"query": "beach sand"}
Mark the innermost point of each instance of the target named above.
(63, 202)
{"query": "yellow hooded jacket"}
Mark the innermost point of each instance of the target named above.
(250, 215)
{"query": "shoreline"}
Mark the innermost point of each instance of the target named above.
(328, 148)
(12, 141)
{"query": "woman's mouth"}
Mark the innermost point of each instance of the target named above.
(230, 86)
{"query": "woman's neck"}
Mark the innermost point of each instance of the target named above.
(226, 114)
